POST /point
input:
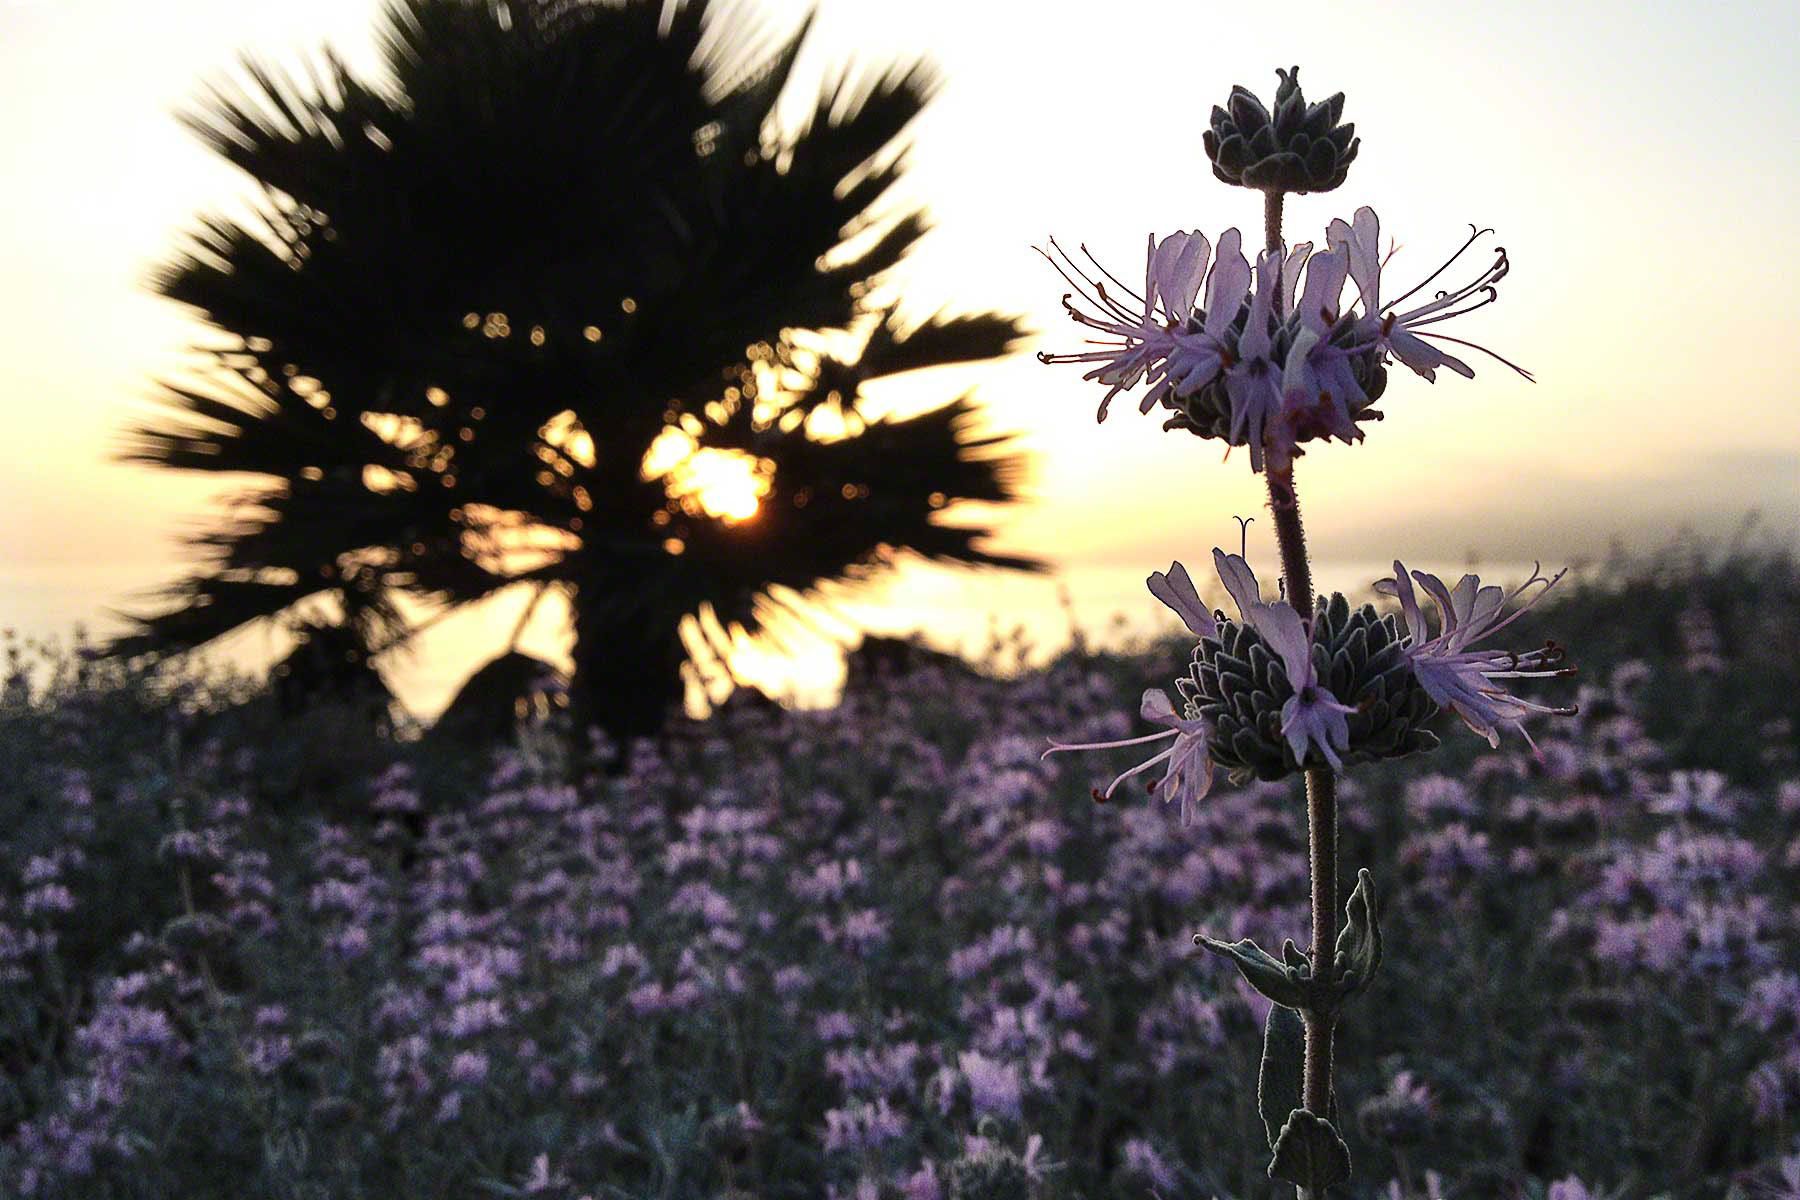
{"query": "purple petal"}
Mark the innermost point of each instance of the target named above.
(1290, 274)
(1155, 706)
(1402, 587)
(1239, 581)
(1286, 634)
(1176, 589)
(1317, 720)
(1226, 286)
(1180, 266)
(1324, 290)
(1440, 595)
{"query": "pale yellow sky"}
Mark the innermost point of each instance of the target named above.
(1638, 161)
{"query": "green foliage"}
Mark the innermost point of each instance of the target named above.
(1310, 1154)
(1279, 1078)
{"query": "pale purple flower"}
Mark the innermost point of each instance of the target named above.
(1289, 366)
(267, 1055)
(469, 1066)
(1696, 794)
(1177, 590)
(863, 1126)
(542, 1179)
(1142, 1159)
(834, 1027)
(1312, 718)
(1401, 333)
(1460, 677)
(1253, 379)
(1787, 1186)
(48, 898)
(1200, 353)
(1318, 385)
(1188, 777)
(1141, 343)
(922, 1184)
(995, 1088)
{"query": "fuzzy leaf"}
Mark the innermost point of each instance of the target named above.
(1283, 1062)
(1310, 1154)
(1359, 943)
(1261, 970)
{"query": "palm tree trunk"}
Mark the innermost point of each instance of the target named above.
(627, 672)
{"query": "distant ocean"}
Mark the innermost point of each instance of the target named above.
(965, 612)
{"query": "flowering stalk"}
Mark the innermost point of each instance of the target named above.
(1269, 356)
(1321, 782)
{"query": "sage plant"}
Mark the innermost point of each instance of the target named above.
(1269, 356)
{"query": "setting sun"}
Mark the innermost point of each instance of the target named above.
(726, 484)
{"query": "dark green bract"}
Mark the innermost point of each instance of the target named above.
(1235, 682)
(1299, 148)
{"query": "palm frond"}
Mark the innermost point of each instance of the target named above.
(475, 292)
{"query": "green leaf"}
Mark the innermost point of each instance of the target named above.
(1261, 970)
(1359, 943)
(1310, 1154)
(1283, 1063)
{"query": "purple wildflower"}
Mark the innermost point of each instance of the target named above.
(995, 1088)
(1312, 718)
(1189, 773)
(1400, 333)
(1176, 589)
(1253, 379)
(1142, 1159)
(1145, 345)
(1289, 359)
(1461, 678)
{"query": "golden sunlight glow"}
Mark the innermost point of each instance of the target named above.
(725, 484)
(566, 433)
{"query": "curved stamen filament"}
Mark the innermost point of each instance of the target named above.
(1474, 236)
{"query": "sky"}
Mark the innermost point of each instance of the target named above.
(1640, 162)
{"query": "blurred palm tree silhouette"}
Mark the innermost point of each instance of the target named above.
(560, 306)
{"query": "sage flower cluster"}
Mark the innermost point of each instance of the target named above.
(1271, 355)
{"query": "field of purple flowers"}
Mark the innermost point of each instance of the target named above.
(883, 951)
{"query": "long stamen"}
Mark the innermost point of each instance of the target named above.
(1493, 294)
(1497, 271)
(1056, 746)
(1088, 289)
(1101, 267)
(1536, 579)
(1444, 337)
(1089, 286)
(1138, 770)
(1474, 236)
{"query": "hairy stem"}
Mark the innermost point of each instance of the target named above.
(1272, 233)
(1321, 783)
(1321, 822)
(1272, 219)
(1290, 538)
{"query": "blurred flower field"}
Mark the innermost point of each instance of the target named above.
(883, 951)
